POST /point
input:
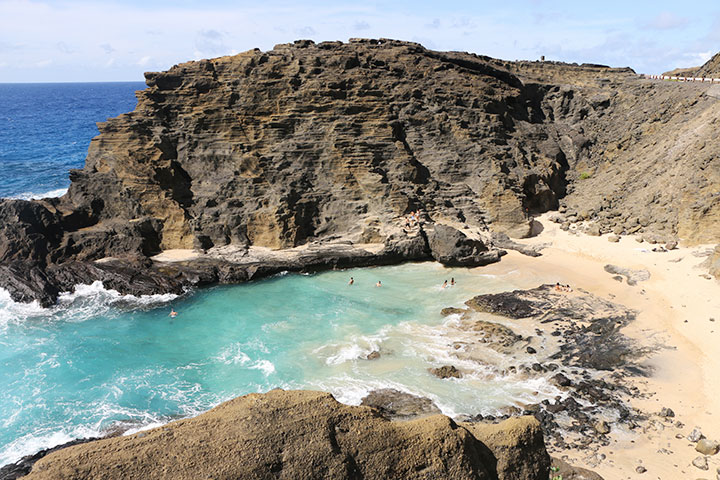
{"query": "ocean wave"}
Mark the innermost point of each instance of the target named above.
(59, 192)
(86, 301)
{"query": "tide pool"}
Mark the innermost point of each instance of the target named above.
(100, 360)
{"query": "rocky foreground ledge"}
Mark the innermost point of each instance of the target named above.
(306, 434)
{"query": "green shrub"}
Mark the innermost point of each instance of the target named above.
(584, 176)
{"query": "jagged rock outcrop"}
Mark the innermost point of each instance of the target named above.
(301, 434)
(336, 143)
(710, 69)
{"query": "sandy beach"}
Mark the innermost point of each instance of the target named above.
(679, 317)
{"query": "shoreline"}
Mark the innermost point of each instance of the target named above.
(679, 367)
(684, 358)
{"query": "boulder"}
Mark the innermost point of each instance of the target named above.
(300, 434)
(707, 447)
(453, 248)
(395, 404)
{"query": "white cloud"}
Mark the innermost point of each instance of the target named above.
(43, 63)
(666, 21)
(110, 62)
(144, 60)
(361, 25)
(107, 48)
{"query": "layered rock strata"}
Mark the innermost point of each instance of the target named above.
(335, 144)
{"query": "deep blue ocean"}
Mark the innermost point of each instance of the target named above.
(45, 130)
(99, 361)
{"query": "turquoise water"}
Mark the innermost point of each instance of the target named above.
(99, 360)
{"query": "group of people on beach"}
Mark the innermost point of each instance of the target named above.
(412, 219)
(562, 288)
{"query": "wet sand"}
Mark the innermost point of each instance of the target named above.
(675, 308)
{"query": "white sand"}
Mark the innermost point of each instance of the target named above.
(176, 255)
(686, 377)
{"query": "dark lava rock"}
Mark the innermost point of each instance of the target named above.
(374, 355)
(560, 380)
(447, 371)
(666, 412)
(453, 248)
(531, 350)
(395, 404)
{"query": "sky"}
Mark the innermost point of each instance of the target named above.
(81, 40)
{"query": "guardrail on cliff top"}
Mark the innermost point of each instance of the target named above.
(684, 79)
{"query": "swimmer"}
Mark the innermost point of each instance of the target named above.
(352, 280)
(452, 281)
(445, 284)
(173, 313)
(558, 287)
(379, 284)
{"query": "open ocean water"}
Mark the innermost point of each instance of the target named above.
(99, 361)
(45, 130)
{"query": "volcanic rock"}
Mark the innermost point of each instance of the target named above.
(395, 404)
(308, 435)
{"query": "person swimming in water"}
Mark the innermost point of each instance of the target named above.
(452, 281)
(352, 280)
(444, 285)
(173, 313)
(378, 284)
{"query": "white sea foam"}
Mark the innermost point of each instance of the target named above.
(84, 302)
(265, 366)
(36, 441)
(36, 196)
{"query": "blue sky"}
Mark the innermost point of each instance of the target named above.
(82, 40)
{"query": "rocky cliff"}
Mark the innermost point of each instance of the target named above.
(326, 148)
(710, 69)
(301, 434)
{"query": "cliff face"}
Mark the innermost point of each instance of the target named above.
(305, 141)
(312, 144)
(300, 434)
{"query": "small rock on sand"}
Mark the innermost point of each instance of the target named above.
(666, 412)
(640, 469)
(613, 239)
(602, 427)
(695, 436)
(707, 447)
(701, 463)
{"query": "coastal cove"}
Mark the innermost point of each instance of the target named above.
(100, 362)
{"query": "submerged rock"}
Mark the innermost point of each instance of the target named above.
(446, 371)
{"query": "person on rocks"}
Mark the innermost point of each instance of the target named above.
(378, 284)
(352, 280)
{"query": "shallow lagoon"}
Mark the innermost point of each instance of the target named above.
(100, 360)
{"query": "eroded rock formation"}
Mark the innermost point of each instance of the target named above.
(301, 434)
(332, 145)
